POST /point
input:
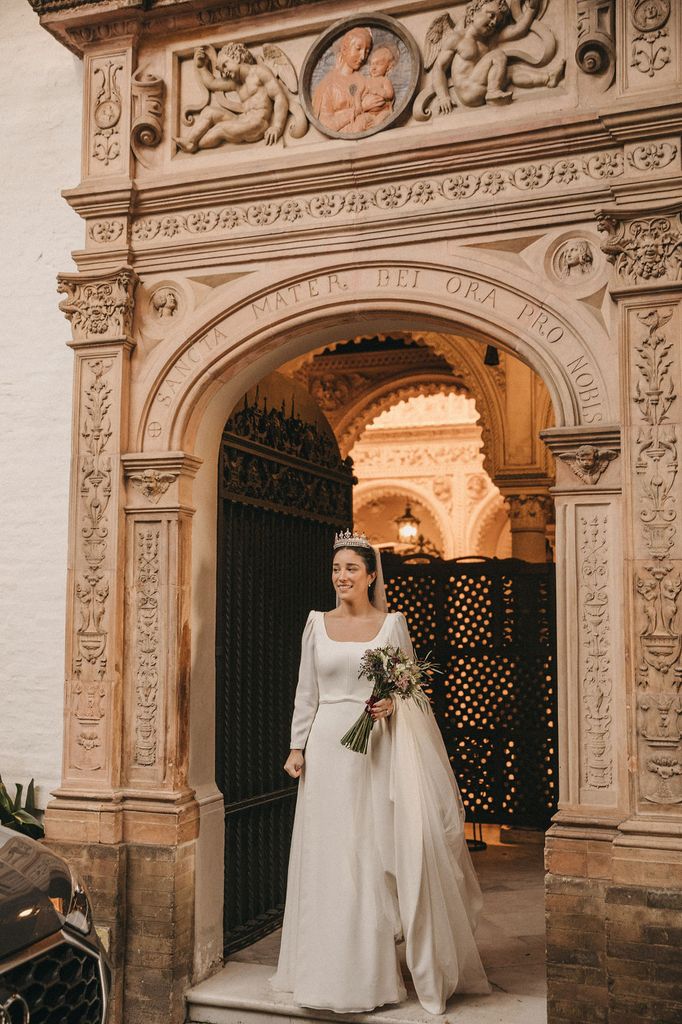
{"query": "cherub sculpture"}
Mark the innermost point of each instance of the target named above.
(248, 100)
(470, 64)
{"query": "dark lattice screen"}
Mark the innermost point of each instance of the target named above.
(283, 493)
(490, 625)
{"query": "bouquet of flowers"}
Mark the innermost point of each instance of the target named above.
(394, 675)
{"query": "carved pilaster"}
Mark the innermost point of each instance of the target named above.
(590, 613)
(651, 41)
(99, 309)
(106, 112)
(157, 616)
(657, 570)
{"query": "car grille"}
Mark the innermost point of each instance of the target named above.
(60, 985)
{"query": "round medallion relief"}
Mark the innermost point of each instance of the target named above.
(359, 76)
(574, 261)
(650, 15)
(164, 303)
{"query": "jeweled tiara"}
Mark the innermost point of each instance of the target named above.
(351, 540)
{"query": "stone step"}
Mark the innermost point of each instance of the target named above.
(240, 994)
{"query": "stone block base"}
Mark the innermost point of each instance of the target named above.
(143, 902)
(613, 952)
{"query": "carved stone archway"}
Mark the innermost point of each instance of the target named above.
(477, 224)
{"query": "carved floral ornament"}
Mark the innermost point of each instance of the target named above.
(650, 47)
(99, 308)
(572, 174)
(595, 640)
(657, 581)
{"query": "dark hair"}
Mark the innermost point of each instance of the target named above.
(370, 559)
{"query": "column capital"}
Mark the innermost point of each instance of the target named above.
(99, 306)
(644, 245)
(528, 510)
(586, 451)
(157, 475)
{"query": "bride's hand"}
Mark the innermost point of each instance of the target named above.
(293, 765)
(382, 709)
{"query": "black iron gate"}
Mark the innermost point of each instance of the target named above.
(490, 625)
(283, 492)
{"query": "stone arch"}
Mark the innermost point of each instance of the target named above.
(372, 403)
(188, 386)
(263, 324)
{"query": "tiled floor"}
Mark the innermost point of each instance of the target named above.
(511, 939)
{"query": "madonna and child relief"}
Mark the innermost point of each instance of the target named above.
(359, 77)
(361, 81)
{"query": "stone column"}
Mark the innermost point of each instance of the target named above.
(614, 854)
(530, 513)
(160, 815)
(85, 820)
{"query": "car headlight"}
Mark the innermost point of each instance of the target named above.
(74, 909)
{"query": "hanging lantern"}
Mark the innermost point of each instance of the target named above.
(408, 526)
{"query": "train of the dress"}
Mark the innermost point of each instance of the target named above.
(439, 898)
(403, 807)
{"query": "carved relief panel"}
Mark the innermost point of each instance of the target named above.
(653, 333)
(652, 58)
(106, 113)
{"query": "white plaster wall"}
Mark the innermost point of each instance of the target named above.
(40, 99)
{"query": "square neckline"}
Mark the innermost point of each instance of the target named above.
(371, 641)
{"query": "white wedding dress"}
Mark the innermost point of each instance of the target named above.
(378, 849)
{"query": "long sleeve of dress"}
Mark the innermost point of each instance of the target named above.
(307, 695)
(403, 635)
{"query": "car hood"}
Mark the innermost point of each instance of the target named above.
(29, 876)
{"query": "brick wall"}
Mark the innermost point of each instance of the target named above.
(143, 902)
(614, 952)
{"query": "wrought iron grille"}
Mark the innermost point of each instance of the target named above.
(490, 625)
(284, 491)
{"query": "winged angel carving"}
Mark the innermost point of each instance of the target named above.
(248, 99)
(471, 62)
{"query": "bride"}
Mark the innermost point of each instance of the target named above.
(378, 850)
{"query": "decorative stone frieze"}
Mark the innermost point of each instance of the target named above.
(644, 250)
(99, 306)
(567, 175)
(267, 83)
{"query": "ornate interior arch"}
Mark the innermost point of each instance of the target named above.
(371, 404)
